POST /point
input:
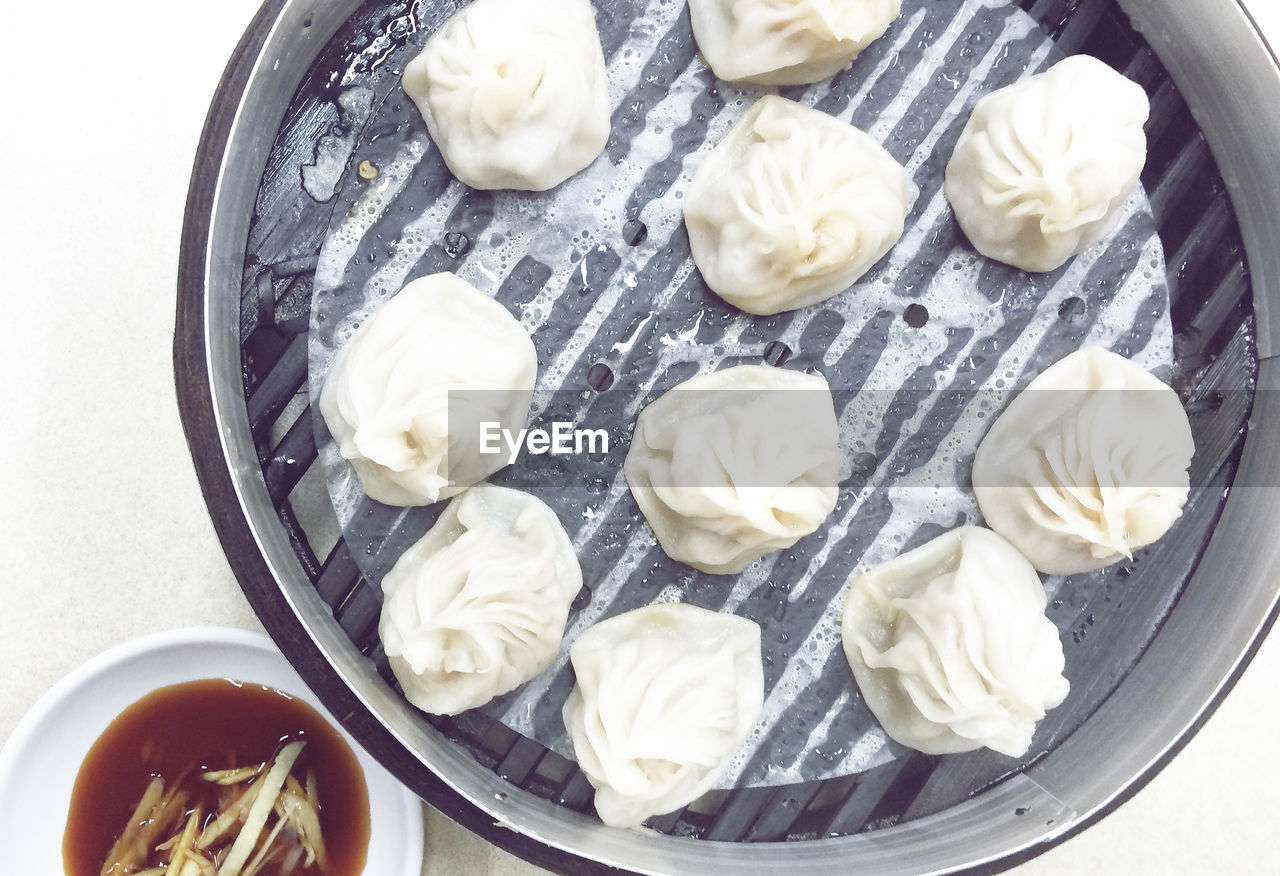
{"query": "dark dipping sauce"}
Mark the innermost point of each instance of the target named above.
(178, 732)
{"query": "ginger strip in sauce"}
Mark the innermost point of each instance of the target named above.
(180, 732)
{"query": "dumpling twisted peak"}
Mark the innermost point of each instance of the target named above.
(664, 697)
(1087, 464)
(786, 42)
(478, 605)
(792, 207)
(1044, 165)
(720, 478)
(514, 92)
(951, 648)
(405, 395)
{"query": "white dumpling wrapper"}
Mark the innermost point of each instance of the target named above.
(665, 696)
(1087, 464)
(786, 42)
(792, 207)
(407, 394)
(478, 605)
(730, 466)
(951, 648)
(514, 92)
(1043, 167)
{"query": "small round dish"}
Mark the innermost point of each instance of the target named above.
(38, 764)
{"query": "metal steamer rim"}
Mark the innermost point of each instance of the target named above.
(236, 381)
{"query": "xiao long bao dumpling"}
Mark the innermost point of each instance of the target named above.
(792, 207)
(478, 605)
(665, 696)
(405, 396)
(730, 466)
(1044, 166)
(951, 648)
(514, 92)
(1086, 465)
(786, 42)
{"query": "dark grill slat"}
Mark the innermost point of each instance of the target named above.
(830, 796)
(1081, 27)
(1165, 104)
(879, 793)
(485, 740)
(1228, 297)
(278, 387)
(1206, 238)
(786, 805)
(577, 794)
(338, 576)
(1219, 404)
(1193, 159)
(667, 823)
(735, 818)
(383, 666)
(1053, 15)
(291, 459)
(520, 761)
(490, 737)
(1143, 67)
(1212, 272)
(855, 810)
(554, 770)
(358, 614)
(298, 540)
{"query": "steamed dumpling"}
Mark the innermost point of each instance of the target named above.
(665, 695)
(514, 92)
(1086, 465)
(478, 605)
(730, 466)
(786, 42)
(951, 648)
(1044, 165)
(407, 394)
(792, 207)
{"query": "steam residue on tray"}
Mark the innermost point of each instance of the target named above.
(920, 353)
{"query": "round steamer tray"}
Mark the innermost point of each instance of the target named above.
(250, 251)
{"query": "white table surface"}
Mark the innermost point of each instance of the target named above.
(104, 535)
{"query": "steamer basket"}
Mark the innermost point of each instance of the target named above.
(241, 362)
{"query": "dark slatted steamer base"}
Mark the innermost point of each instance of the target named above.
(1215, 363)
